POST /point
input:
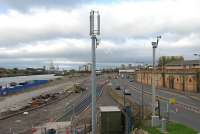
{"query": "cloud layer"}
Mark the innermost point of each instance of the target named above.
(127, 29)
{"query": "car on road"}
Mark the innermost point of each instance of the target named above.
(130, 80)
(127, 92)
(117, 88)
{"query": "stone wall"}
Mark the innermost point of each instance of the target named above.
(179, 80)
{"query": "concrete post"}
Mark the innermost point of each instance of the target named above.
(163, 125)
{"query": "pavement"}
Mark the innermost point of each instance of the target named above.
(178, 112)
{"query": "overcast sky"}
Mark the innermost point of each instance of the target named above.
(34, 32)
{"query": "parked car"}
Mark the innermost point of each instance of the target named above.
(130, 80)
(127, 92)
(117, 88)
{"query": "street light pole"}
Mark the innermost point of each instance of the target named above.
(154, 117)
(154, 44)
(94, 33)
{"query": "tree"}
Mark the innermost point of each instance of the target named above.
(163, 60)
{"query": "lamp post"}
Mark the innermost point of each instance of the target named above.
(94, 34)
(154, 117)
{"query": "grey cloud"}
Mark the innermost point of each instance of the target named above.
(128, 51)
(117, 24)
(24, 5)
(127, 28)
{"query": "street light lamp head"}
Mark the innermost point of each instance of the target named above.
(94, 23)
(154, 44)
(159, 37)
(197, 54)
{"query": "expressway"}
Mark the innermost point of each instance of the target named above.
(185, 111)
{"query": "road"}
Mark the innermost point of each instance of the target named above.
(178, 112)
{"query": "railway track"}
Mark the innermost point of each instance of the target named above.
(84, 103)
(35, 108)
(80, 106)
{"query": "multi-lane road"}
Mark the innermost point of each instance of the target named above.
(185, 111)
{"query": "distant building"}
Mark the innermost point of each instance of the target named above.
(123, 66)
(129, 66)
(51, 67)
(86, 67)
(98, 72)
(127, 71)
(185, 64)
(89, 67)
(35, 70)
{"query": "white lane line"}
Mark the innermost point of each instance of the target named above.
(186, 106)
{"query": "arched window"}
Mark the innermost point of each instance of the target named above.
(190, 80)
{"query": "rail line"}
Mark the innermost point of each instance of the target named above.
(81, 106)
(35, 108)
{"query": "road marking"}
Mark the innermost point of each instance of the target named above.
(185, 106)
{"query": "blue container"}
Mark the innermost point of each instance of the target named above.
(21, 87)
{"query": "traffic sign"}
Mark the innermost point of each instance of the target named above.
(172, 101)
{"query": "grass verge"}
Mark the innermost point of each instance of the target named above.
(173, 128)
